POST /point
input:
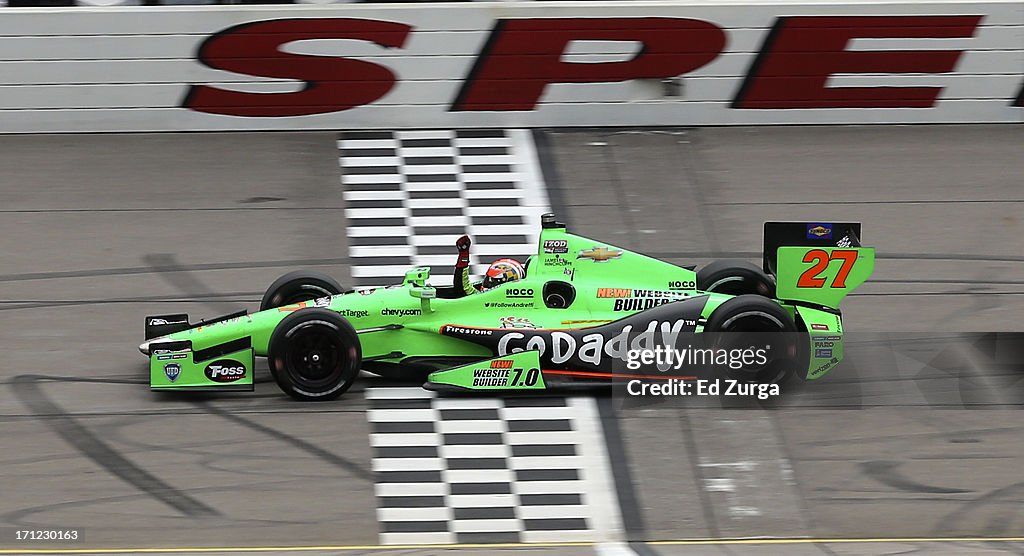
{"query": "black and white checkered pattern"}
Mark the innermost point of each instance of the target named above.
(411, 194)
(468, 470)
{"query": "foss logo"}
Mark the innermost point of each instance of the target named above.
(225, 370)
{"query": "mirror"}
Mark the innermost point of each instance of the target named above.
(417, 276)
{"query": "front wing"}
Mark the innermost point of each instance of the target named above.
(173, 367)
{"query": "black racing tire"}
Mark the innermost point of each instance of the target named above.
(743, 317)
(300, 285)
(314, 354)
(735, 277)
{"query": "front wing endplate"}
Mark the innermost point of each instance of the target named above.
(177, 370)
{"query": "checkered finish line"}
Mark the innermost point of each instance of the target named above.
(411, 194)
(487, 470)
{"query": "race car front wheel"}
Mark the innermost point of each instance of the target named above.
(763, 326)
(301, 285)
(314, 354)
(735, 277)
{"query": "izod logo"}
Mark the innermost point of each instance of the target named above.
(556, 246)
(225, 370)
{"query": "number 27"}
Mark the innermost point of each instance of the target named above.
(821, 259)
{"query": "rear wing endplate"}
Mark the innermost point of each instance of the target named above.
(816, 263)
(806, 234)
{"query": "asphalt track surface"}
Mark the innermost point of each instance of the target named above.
(98, 231)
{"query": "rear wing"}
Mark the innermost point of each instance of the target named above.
(806, 234)
(816, 262)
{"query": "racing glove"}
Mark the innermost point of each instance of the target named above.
(463, 244)
(461, 279)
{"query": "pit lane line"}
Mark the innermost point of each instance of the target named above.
(495, 546)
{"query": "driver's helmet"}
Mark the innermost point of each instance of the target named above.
(502, 271)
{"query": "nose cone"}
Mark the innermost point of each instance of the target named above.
(144, 348)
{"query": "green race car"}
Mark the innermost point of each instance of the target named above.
(583, 315)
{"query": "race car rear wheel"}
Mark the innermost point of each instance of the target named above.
(752, 321)
(314, 354)
(301, 285)
(735, 277)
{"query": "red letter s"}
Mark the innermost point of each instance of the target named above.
(332, 83)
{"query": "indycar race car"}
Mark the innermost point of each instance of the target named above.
(582, 311)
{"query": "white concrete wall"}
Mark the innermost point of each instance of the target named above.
(132, 68)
